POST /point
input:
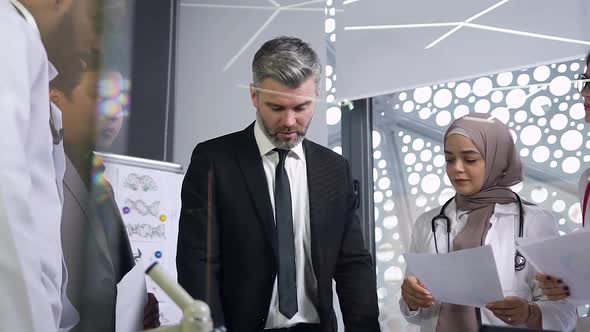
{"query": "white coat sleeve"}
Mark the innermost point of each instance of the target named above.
(20, 270)
(418, 245)
(556, 315)
(412, 316)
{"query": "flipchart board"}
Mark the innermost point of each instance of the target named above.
(147, 193)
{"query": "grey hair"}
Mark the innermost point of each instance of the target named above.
(288, 60)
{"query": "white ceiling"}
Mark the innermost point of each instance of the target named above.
(374, 62)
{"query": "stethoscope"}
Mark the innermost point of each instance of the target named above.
(519, 260)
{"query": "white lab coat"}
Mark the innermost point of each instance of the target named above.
(30, 182)
(559, 316)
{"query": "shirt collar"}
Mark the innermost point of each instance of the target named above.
(455, 214)
(461, 214)
(51, 71)
(265, 146)
(457, 217)
(511, 208)
(450, 212)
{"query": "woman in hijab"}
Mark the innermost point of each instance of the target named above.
(482, 164)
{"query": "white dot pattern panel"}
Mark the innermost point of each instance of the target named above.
(333, 110)
(544, 111)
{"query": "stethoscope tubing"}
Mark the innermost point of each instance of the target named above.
(519, 260)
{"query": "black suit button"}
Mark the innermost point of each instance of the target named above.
(262, 321)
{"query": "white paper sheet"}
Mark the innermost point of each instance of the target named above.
(523, 241)
(467, 277)
(131, 298)
(566, 257)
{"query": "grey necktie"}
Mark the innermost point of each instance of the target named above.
(287, 283)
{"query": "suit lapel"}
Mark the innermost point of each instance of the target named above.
(77, 188)
(316, 201)
(126, 259)
(250, 162)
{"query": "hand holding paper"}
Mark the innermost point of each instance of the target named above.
(566, 258)
(513, 310)
(415, 294)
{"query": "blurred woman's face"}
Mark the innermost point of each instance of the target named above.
(465, 165)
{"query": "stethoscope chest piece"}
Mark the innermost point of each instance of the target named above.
(519, 261)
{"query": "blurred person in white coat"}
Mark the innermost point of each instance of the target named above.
(553, 286)
(482, 164)
(32, 168)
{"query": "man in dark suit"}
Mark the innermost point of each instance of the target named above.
(268, 218)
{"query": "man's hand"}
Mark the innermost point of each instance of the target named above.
(415, 294)
(151, 313)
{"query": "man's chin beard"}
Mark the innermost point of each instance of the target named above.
(286, 145)
(276, 141)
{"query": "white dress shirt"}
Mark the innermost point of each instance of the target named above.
(538, 223)
(30, 190)
(306, 281)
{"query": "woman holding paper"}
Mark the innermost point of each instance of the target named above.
(482, 164)
(553, 286)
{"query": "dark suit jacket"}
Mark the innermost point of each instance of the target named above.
(227, 252)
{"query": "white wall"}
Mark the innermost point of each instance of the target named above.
(208, 101)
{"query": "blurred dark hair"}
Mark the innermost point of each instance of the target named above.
(71, 68)
(63, 53)
(588, 59)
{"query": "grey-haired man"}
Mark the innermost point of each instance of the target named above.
(268, 218)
